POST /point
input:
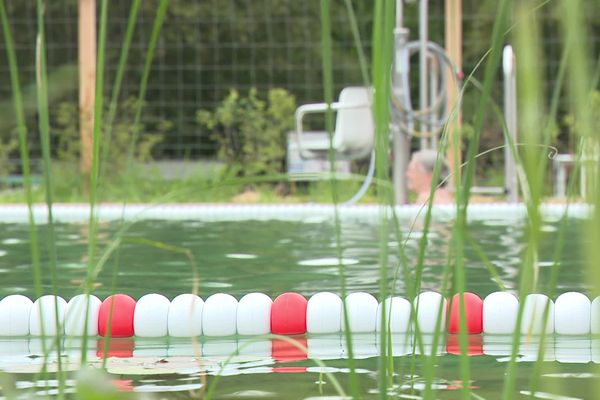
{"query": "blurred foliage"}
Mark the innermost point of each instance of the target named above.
(94, 384)
(7, 146)
(252, 133)
(594, 104)
(207, 47)
(67, 141)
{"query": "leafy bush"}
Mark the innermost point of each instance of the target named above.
(250, 132)
(6, 149)
(594, 104)
(67, 141)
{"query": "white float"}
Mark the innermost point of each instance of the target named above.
(595, 316)
(151, 316)
(362, 312)
(254, 314)
(534, 308)
(572, 350)
(364, 345)
(423, 344)
(324, 313)
(75, 318)
(497, 345)
(186, 348)
(155, 347)
(14, 354)
(219, 315)
(397, 315)
(595, 350)
(325, 347)
(428, 306)
(44, 314)
(254, 349)
(402, 344)
(529, 349)
(572, 313)
(185, 316)
(14, 315)
(220, 349)
(500, 311)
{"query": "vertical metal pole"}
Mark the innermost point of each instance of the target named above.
(423, 75)
(401, 152)
(560, 173)
(87, 80)
(399, 14)
(433, 89)
(510, 113)
(400, 141)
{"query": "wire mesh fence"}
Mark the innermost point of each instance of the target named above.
(208, 47)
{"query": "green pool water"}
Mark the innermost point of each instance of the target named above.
(279, 256)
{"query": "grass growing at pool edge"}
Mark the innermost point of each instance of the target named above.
(454, 271)
(44, 131)
(326, 59)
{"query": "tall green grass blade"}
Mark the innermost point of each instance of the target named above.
(23, 146)
(486, 261)
(493, 61)
(44, 132)
(581, 83)
(25, 164)
(562, 230)
(95, 167)
(362, 59)
(531, 123)
(459, 287)
(154, 35)
(290, 340)
(383, 47)
(326, 54)
(116, 90)
(430, 362)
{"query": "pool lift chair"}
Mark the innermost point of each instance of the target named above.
(353, 135)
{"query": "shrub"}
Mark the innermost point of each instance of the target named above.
(251, 133)
(6, 149)
(67, 141)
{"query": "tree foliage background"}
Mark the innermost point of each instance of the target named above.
(210, 47)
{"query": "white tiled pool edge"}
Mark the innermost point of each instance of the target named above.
(18, 213)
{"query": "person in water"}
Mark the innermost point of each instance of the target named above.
(419, 175)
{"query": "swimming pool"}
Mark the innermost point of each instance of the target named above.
(239, 250)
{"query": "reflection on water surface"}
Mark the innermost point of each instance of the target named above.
(279, 256)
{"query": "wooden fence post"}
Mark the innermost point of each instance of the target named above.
(87, 80)
(453, 44)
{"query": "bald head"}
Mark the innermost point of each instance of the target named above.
(425, 160)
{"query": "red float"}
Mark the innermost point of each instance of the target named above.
(473, 313)
(474, 345)
(288, 314)
(119, 348)
(284, 351)
(123, 308)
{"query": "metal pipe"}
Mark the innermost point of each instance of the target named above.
(510, 115)
(399, 14)
(423, 75)
(400, 140)
(434, 72)
(401, 152)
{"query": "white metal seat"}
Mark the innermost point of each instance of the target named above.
(354, 128)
